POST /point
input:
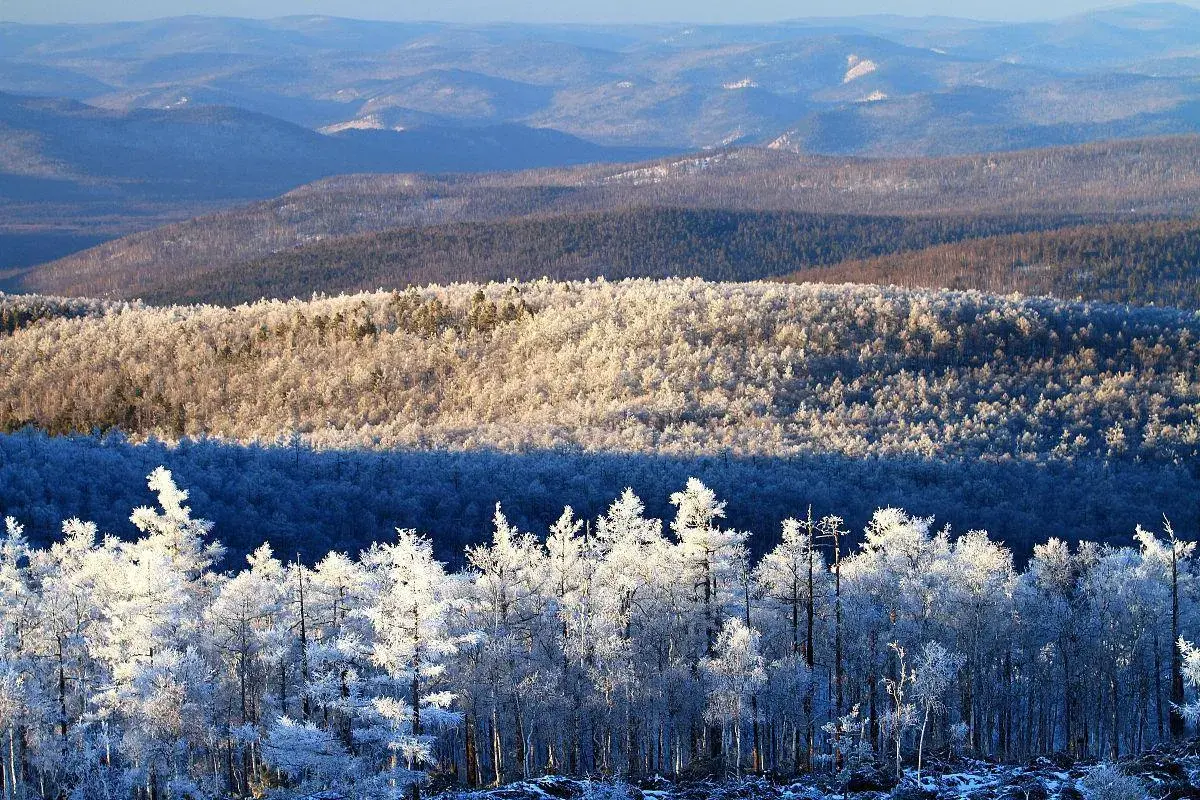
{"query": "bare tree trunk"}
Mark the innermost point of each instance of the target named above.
(1178, 726)
(921, 742)
(1115, 745)
(471, 753)
(304, 704)
(496, 761)
(1158, 695)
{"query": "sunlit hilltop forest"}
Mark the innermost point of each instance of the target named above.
(678, 366)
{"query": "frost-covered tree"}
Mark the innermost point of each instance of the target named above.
(902, 715)
(412, 616)
(338, 655)
(889, 588)
(506, 585)
(153, 593)
(709, 557)
(570, 575)
(933, 675)
(1171, 558)
(633, 597)
(794, 580)
(736, 672)
(243, 617)
(708, 553)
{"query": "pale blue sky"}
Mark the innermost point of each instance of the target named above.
(538, 10)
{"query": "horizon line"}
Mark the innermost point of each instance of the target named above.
(814, 19)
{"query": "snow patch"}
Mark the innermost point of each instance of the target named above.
(367, 123)
(660, 172)
(858, 67)
(783, 142)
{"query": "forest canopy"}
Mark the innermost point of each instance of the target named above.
(1148, 263)
(677, 367)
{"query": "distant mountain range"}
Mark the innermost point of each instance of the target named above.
(109, 129)
(203, 152)
(832, 85)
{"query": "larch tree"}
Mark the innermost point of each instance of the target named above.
(506, 575)
(708, 555)
(1173, 559)
(794, 578)
(411, 617)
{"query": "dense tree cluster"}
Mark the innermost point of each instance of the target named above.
(309, 501)
(620, 645)
(18, 312)
(1145, 263)
(674, 367)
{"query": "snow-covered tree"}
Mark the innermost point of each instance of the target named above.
(933, 675)
(411, 617)
(902, 715)
(736, 672)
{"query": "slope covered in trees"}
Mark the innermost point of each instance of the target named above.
(621, 645)
(1023, 415)
(1144, 262)
(675, 367)
(1132, 178)
(649, 243)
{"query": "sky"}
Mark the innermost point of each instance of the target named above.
(539, 10)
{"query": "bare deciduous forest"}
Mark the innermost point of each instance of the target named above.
(314, 238)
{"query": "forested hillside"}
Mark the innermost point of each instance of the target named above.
(308, 501)
(1110, 180)
(1146, 262)
(641, 242)
(1017, 414)
(677, 366)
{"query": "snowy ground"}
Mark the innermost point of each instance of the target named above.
(1165, 776)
